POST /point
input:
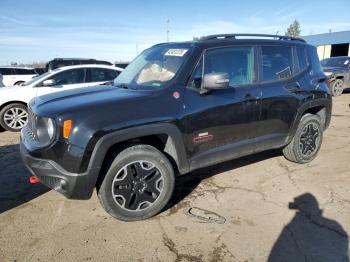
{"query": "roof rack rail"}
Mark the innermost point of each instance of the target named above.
(234, 36)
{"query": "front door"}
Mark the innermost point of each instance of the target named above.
(220, 124)
(68, 79)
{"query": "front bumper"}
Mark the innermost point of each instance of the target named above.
(71, 185)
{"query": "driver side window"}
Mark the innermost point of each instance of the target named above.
(237, 62)
(69, 77)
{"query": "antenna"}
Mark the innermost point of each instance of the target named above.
(167, 30)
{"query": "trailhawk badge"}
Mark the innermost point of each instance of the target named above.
(202, 137)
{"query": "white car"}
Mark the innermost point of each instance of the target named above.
(16, 75)
(1, 83)
(14, 100)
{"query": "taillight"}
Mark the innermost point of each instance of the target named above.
(328, 83)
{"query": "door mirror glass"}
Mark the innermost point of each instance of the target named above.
(48, 82)
(215, 81)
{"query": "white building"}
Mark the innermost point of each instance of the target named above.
(331, 44)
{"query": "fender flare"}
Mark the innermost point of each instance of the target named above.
(324, 102)
(174, 145)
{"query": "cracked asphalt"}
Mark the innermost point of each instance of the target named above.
(268, 209)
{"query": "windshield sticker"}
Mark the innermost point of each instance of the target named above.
(176, 52)
(346, 62)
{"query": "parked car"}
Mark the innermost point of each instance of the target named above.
(16, 75)
(121, 65)
(40, 70)
(338, 71)
(60, 62)
(1, 83)
(176, 108)
(13, 100)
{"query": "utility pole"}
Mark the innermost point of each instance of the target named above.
(167, 30)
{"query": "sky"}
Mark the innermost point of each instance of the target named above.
(113, 30)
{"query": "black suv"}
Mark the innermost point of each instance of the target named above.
(61, 62)
(176, 108)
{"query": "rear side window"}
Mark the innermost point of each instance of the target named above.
(238, 62)
(302, 58)
(102, 74)
(277, 63)
(7, 71)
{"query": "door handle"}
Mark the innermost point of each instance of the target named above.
(294, 87)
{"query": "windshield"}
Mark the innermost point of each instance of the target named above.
(38, 78)
(154, 67)
(335, 62)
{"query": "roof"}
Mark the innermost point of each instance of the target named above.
(17, 67)
(250, 36)
(215, 41)
(90, 65)
(329, 38)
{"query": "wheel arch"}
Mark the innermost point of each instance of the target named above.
(13, 102)
(321, 107)
(165, 137)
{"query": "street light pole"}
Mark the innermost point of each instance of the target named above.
(167, 30)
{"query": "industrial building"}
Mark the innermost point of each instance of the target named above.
(331, 44)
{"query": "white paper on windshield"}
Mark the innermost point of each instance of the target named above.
(346, 62)
(176, 52)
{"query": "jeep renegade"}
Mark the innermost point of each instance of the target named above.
(176, 108)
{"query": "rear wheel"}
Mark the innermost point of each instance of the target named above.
(307, 140)
(14, 117)
(337, 87)
(19, 83)
(138, 184)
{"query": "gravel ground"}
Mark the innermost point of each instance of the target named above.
(256, 208)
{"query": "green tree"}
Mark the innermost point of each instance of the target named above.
(294, 29)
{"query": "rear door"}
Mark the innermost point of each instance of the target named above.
(222, 123)
(281, 87)
(9, 77)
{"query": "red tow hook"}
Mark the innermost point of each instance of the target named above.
(33, 180)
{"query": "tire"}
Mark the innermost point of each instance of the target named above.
(305, 144)
(337, 87)
(138, 184)
(14, 117)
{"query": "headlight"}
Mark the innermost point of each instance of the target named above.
(45, 130)
(328, 73)
(50, 128)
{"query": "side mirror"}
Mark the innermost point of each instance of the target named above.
(49, 82)
(215, 81)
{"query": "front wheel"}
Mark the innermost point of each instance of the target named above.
(14, 117)
(307, 140)
(138, 184)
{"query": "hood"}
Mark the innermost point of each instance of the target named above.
(15, 93)
(77, 99)
(333, 69)
(11, 88)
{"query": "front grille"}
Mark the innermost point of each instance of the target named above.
(32, 124)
